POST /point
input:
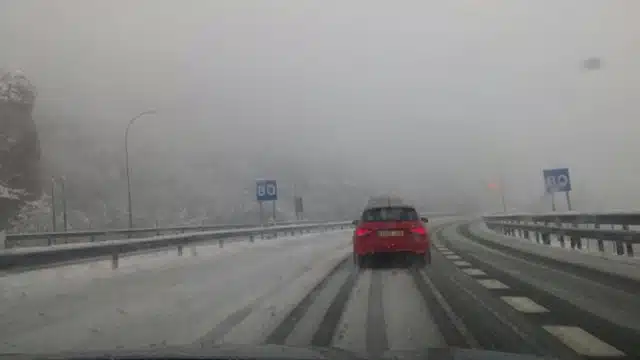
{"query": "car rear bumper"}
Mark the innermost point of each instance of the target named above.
(368, 249)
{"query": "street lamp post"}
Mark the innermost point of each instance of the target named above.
(64, 203)
(502, 194)
(53, 203)
(128, 170)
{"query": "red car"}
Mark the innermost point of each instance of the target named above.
(391, 230)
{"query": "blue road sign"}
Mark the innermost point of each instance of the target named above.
(556, 180)
(266, 190)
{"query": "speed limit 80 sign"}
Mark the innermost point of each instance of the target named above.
(266, 190)
(556, 180)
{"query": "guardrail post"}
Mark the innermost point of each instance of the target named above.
(619, 248)
(600, 240)
(560, 235)
(3, 239)
(50, 240)
(179, 250)
(576, 241)
(619, 244)
(520, 232)
(114, 261)
(545, 235)
(573, 239)
(251, 239)
(629, 245)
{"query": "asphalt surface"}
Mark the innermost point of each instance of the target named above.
(305, 291)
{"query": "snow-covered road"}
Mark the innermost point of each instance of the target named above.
(160, 298)
(305, 291)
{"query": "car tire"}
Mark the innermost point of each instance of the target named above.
(427, 258)
(360, 261)
(419, 261)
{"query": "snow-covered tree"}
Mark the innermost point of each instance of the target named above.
(15, 87)
(33, 216)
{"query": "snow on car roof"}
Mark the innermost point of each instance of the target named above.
(385, 201)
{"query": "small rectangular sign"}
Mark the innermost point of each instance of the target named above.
(556, 180)
(266, 190)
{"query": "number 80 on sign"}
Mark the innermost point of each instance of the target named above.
(266, 190)
(556, 180)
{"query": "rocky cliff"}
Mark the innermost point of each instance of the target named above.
(19, 145)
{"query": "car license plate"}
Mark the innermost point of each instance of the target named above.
(390, 233)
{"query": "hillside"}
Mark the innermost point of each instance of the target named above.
(19, 146)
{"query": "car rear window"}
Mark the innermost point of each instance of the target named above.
(390, 214)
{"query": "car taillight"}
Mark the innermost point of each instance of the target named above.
(419, 231)
(362, 232)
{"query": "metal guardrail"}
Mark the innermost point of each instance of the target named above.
(62, 237)
(53, 238)
(572, 226)
(19, 258)
(609, 218)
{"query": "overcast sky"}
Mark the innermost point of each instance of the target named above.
(410, 95)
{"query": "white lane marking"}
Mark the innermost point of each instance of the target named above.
(582, 342)
(453, 257)
(461, 263)
(409, 323)
(496, 314)
(524, 304)
(351, 335)
(453, 318)
(492, 284)
(474, 272)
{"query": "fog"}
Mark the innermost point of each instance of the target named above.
(432, 100)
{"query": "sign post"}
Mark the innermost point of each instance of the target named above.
(53, 203)
(274, 211)
(298, 207)
(557, 180)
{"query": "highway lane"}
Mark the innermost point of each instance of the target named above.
(592, 317)
(300, 291)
